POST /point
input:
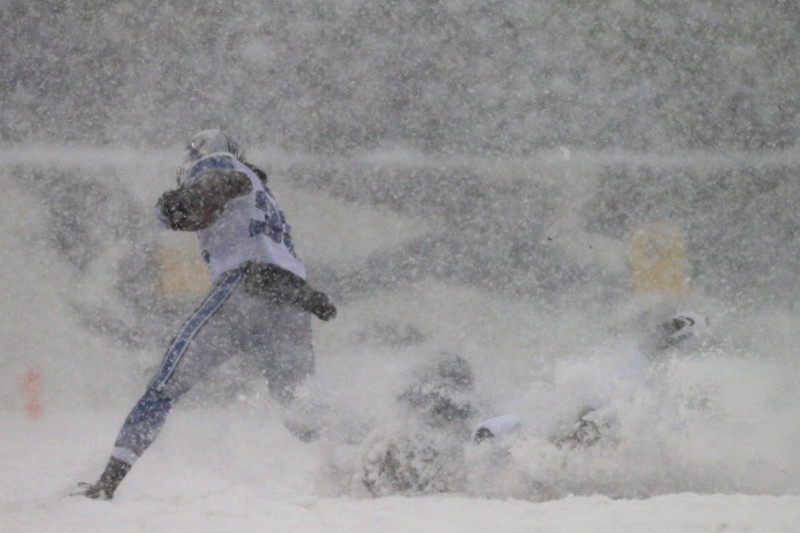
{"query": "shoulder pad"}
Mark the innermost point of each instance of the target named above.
(219, 161)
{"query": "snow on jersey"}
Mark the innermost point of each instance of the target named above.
(251, 227)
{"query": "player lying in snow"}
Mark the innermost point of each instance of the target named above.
(593, 421)
(424, 451)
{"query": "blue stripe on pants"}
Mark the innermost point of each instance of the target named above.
(221, 291)
(149, 414)
(143, 423)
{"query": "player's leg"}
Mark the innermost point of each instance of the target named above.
(280, 346)
(193, 353)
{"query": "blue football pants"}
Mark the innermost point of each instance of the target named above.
(274, 338)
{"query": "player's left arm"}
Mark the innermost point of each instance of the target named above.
(198, 204)
(283, 286)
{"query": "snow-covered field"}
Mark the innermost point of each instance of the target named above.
(233, 471)
(710, 446)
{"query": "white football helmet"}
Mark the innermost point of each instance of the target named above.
(205, 143)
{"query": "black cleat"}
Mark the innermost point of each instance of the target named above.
(95, 492)
(104, 489)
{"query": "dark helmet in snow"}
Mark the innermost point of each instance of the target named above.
(680, 327)
(205, 143)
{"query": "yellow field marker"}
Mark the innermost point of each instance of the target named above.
(181, 270)
(658, 259)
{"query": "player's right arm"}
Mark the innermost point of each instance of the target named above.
(197, 204)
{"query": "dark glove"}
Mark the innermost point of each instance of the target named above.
(186, 212)
(282, 286)
(483, 434)
(172, 208)
(320, 305)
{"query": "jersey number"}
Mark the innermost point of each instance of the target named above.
(274, 224)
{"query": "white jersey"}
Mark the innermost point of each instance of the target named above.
(251, 227)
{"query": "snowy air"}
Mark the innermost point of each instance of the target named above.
(446, 265)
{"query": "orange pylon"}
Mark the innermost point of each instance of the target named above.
(32, 387)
